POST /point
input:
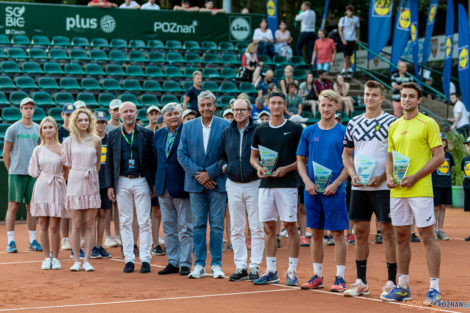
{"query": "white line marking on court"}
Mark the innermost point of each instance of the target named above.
(4, 252)
(406, 305)
(26, 262)
(145, 300)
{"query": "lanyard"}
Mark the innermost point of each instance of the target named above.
(129, 142)
(169, 142)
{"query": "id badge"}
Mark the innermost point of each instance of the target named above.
(131, 164)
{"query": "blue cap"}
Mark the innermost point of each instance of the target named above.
(68, 108)
(443, 136)
(101, 116)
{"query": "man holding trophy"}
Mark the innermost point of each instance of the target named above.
(273, 157)
(364, 156)
(414, 152)
(321, 168)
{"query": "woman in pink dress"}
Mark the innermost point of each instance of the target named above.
(81, 155)
(48, 199)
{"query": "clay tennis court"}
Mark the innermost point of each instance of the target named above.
(25, 287)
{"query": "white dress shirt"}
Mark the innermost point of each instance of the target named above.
(206, 131)
(308, 19)
(149, 6)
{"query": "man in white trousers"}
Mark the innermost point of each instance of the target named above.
(242, 190)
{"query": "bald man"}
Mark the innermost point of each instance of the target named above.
(130, 169)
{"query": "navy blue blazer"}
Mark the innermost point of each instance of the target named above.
(169, 174)
(192, 157)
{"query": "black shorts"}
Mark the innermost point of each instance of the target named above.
(105, 202)
(364, 203)
(466, 200)
(442, 195)
(348, 49)
(301, 195)
(154, 202)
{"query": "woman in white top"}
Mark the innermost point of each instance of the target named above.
(342, 89)
(263, 36)
(129, 4)
(283, 40)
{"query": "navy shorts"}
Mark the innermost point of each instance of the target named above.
(442, 195)
(326, 212)
(105, 202)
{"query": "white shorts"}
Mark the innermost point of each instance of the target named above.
(402, 211)
(278, 202)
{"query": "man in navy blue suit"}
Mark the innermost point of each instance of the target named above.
(205, 182)
(177, 217)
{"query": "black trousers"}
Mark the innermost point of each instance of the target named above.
(308, 39)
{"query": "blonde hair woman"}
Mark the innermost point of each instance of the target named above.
(81, 155)
(251, 65)
(48, 199)
(288, 78)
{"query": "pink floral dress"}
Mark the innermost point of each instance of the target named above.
(83, 189)
(48, 197)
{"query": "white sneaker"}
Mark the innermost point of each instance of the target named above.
(118, 242)
(87, 267)
(56, 264)
(82, 243)
(217, 272)
(284, 233)
(197, 272)
(109, 242)
(387, 288)
(161, 241)
(65, 245)
(357, 289)
(75, 267)
(46, 264)
(308, 234)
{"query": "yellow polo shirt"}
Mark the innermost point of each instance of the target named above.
(414, 138)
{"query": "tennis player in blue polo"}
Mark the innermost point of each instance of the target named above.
(326, 209)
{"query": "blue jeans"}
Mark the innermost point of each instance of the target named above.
(324, 66)
(208, 204)
(266, 48)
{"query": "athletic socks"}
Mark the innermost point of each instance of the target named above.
(32, 235)
(403, 280)
(340, 270)
(317, 269)
(11, 235)
(361, 269)
(293, 265)
(392, 272)
(434, 283)
(271, 264)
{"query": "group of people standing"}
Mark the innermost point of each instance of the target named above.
(196, 168)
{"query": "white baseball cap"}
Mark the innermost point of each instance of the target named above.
(26, 100)
(153, 108)
(298, 119)
(79, 104)
(226, 112)
(116, 103)
(188, 111)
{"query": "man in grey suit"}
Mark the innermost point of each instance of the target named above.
(205, 182)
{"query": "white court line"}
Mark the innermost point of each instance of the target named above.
(145, 300)
(27, 251)
(404, 305)
(26, 262)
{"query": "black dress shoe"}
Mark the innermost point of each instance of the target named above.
(145, 268)
(129, 268)
(169, 269)
(185, 270)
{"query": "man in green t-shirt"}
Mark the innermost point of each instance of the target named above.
(417, 137)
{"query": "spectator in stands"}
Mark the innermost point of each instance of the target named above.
(150, 5)
(228, 115)
(324, 52)
(272, 87)
(397, 80)
(461, 116)
(426, 92)
(193, 92)
(348, 28)
(20, 140)
(205, 183)
(288, 78)
(115, 120)
(307, 91)
(79, 104)
(102, 4)
(258, 107)
(263, 36)
(264, 117)
(321, 83)
(251, 66)
(245, 11)
(293, 101)
(342, 89)
(188, 115)
(283, 40)
(268, 79)
(209, 7)
(307, 30)
(64, 131)
(185, 6)
(129, 4)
